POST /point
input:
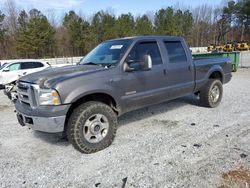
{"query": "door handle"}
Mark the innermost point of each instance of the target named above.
(164, 72)
(189, 68)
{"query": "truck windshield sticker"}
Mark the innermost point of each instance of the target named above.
(115, 47)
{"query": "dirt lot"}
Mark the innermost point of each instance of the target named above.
(175, 144)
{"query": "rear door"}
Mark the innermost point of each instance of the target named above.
(179, 69)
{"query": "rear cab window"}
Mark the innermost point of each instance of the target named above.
(176, 52)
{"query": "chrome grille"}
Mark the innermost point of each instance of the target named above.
(27, 94)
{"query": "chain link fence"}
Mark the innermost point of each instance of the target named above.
(63, 60)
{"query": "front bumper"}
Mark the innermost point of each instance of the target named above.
(44, 124)
(49, 119)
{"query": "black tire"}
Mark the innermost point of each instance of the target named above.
(76, 126)
(205, 95)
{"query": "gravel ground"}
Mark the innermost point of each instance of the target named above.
(174, 144)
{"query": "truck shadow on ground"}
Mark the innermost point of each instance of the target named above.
(154, 110)
(59, 139)
(52, 138)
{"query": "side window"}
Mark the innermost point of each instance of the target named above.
(14, 67)
(27, 65)
(176, 52)
(146, 48)
(38, 65)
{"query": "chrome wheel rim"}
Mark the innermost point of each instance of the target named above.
(215, 93)
(96, 128)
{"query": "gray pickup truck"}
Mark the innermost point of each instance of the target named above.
(116, 77)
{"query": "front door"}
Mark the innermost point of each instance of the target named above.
(143, 87)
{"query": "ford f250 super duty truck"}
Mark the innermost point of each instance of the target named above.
(117, 76)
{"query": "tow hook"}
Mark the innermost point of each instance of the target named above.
(2, 86)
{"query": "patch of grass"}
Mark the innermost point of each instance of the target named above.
(239, 178)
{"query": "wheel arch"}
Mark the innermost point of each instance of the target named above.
(216, 75)
(216, 72)
(98, 97)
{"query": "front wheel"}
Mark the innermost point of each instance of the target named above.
(211, 94)
(92, 127)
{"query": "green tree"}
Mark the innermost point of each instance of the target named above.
(125, 25)
(2, 29)
(22, 20)
(37, 40)
(242, 17)
(2, 36)
(143, 26)
(187, 26)
(103, 26)
(77, 30)
(164, 22)
(178, 23)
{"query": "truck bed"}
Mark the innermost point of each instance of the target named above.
(234, 56)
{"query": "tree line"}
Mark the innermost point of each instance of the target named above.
(32, 35)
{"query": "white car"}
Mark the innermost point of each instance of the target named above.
(11, 71)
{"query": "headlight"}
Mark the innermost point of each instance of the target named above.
(49, 97)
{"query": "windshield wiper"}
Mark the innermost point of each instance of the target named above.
(107, 65)
(90, 63)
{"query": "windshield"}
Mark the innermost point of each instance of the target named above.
(107, 53)
(4, 65)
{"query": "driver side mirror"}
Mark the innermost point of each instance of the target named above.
(147, 62)
(145, 65)
(7, 69)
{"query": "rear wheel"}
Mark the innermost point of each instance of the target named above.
(211, 94)
(92, 127)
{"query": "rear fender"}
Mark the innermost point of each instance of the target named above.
(215, 68)
(200, 82)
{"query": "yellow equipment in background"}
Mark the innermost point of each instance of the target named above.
(219, 48)
(210, 48)
(241, 46)
(228, 47)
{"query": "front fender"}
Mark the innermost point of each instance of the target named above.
(80, 92)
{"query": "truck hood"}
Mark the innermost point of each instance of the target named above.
(51, 76)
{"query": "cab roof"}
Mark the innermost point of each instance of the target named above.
(150, 37)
